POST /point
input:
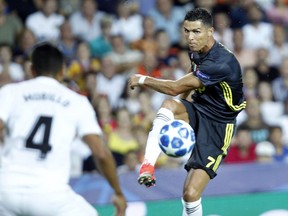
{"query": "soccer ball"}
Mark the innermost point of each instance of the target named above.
(177, 138)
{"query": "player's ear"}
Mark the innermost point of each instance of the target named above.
(210, 31)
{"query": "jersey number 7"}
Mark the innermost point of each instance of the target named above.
(44, 147)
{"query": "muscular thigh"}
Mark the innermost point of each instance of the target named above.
(178, 108)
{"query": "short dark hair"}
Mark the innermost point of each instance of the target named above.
(200, 14)
(47, 59)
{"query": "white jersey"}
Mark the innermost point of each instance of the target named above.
(42, 118)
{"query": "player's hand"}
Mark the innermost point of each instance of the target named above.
(120, 204)
(134, 80)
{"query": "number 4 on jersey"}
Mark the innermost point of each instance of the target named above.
(44, 147)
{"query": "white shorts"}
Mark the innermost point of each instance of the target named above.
(35, 201)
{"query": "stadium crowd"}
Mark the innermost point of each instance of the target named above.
(105, 41)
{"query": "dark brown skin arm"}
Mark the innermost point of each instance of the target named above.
(106, 165)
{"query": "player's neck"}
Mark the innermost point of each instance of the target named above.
(209, 45)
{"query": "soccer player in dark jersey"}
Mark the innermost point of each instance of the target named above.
(215, 77)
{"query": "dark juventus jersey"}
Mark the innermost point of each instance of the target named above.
(222, 97)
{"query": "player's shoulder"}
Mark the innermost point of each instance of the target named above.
(222, 52)
(222, 56)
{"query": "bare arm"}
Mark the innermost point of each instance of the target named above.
(106, 165)
(170, 87)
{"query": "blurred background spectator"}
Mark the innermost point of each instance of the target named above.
(10, 24)
(45, 22)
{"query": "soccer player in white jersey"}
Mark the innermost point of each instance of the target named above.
(42, 117)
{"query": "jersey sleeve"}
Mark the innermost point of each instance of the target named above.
(6, 101)
(88, 123)
(211, 73)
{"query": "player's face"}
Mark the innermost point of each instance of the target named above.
(197, 35)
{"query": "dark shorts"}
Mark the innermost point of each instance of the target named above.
(212, 141)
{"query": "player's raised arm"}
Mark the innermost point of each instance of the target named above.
(169, 87)
(106, 165)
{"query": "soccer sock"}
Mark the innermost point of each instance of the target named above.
(153, 150)
(192, 208)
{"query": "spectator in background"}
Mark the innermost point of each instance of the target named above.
(90, 86)
(124, 58)
(23, 8)
(25, 41)
(10, 25)
(4, 79)
(105, 116)
(130, 100)
(185, 4)
(68, 7)
(283, 122)
(167, 16)
(245, 56)
(148, 112)
(250, 80)
(101, 45)
(257, 33)
(279, 50)
(267, 104)
(265, 152)
(130, 163)
(183, 64)
(68, 43)
(46, 21)
(147, 43)
(7, 65)
(222, 31)
(82, 64)
(128, 22)
(86, 23)
(108, 6)
(207, 4)
(166, 55)
(110, 82)
(280, 84)
(181, 44)
(238, 13)
(264, 70)
(242, 149)
(149, 66)
(254, 122)
(122, 140)
(278, 13)
(281, 149)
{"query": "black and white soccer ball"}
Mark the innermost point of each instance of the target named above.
(177, 138)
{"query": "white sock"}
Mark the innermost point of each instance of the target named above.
(153, 150)
(192, 208)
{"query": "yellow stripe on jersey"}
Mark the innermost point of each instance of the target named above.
(227, 140)
(229, 97)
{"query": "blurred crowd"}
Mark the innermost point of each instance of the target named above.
(105, 41)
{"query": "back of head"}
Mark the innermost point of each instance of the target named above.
(200, 14)
(47, 60)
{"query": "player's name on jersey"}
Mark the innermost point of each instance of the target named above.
(46, 96)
